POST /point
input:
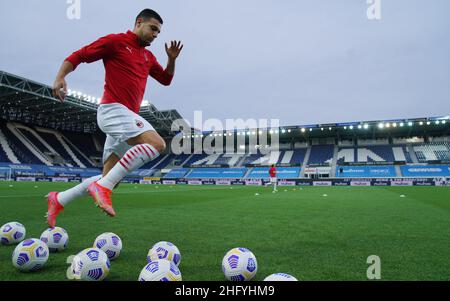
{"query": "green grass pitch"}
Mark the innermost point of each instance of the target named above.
(299, 232)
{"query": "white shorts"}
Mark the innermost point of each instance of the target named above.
(273, 180)
(119, 124)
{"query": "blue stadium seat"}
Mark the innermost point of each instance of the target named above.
(433, 151)
(321, 155)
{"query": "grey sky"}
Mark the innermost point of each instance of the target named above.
(303, 62)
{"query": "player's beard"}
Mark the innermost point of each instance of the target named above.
(148, 42)
(145, 42)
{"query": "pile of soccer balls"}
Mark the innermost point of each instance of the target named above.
(31, 254)
(93, 264)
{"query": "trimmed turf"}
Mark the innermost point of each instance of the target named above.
(299, 232)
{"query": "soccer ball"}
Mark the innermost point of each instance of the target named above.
(160, 270)
(12, 233)
(91, 264)
(30, 255)
(56, 239)
(164, 250)
(280, 277)
(239, 264)
(110, 243)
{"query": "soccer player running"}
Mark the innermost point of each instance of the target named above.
(131, 141)
(273, 177)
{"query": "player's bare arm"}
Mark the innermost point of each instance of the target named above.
(60, 85)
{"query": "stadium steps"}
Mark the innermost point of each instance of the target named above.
(334, 161)
(287, 157)
(249, 170)
(8, 151)
(156, 165)
(241, 161)
(50, 146)
(98, 145)
(35, 139)
(73, 146)
(398, 171)
(69, 150)
(399, 155)
(412, 154)
(268, 159)
(188, 173)
(37, 153)
(187, 160)
(305, 162)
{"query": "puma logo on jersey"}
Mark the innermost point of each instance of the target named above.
(129, 49)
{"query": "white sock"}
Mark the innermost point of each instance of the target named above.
(80, 190)
(133, 159)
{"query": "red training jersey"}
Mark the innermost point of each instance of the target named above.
(273, 172)
(127, 67)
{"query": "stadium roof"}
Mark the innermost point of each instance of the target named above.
(31, 102)
(421, 127)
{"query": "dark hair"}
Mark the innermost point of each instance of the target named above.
(147, 14)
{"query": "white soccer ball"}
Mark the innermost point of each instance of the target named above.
(280, 277)
(239, 264)
(110, 243)
(30, 255)
(160, 270)
(12, 233)
(164, 250)
(91, 264)
(56, 239)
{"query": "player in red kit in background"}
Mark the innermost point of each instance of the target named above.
(273, 177)
(131, 141)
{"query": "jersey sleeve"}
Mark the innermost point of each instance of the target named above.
(99, 49)
(157, 72)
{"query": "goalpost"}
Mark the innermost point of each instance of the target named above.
(5, 173)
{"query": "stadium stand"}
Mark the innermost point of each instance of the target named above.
(251, 159)
(432, 151)
(29, 144)
(298, 157)
(373, 153)
(42, 136)
(196, 159)
(23, 153)
(321, 155)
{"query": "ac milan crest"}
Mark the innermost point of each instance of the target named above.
(139, 124)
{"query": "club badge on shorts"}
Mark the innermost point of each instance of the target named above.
(139, 124)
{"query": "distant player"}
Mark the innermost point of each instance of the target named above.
(131, 141)
(273, 177)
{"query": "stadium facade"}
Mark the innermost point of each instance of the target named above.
(42, 139)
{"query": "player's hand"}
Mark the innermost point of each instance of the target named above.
(174, 50)
(60, 89)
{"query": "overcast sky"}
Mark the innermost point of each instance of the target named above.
(300, 61)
